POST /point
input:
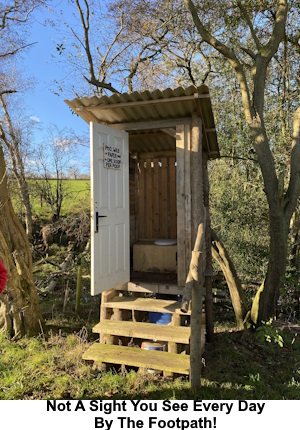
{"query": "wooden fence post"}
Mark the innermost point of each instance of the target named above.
(78, 288)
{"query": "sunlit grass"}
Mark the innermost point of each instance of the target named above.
(237, 367)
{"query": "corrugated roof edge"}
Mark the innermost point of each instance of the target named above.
(138, 96)
(84, 107)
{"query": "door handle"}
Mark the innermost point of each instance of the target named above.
(97, 220)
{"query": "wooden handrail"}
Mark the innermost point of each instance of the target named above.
(197, 266)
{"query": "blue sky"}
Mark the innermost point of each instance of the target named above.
(41, 102)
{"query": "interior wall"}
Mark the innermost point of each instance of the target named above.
(156, 213)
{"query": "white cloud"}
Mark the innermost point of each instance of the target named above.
(35, 118)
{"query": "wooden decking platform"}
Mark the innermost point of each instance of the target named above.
(136, 357)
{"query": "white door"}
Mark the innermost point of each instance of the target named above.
(110, 254)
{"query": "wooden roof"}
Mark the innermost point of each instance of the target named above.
(151, 117)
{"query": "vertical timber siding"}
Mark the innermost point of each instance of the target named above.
(156, 217)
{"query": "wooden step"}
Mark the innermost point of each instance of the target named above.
(136, 357)
(168, 333)
(142, 304)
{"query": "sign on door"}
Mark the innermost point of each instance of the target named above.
(112, 157)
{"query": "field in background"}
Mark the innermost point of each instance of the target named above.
(77, 198)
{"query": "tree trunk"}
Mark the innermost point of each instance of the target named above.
(264, 303)
(19, 304)
(281, 208)
(237, 295)
(295, 248)
(18, 171)
(24, 190)
(14, 147)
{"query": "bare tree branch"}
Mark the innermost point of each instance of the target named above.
(249, 52)
(86, 25)
(104, 85)
(235, 157)
(18, 12)
(228, 53)
(7, 92)
(15, 51)
(249, 23)
(104, 60)
(269, 50)
(295, 41)
(265, 55)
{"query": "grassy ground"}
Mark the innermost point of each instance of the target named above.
(237, 366)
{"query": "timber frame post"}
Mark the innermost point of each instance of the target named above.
(208, 269)
(183, 203)
(191, 230)
(198, 230)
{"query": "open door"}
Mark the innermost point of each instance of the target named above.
(110, 249)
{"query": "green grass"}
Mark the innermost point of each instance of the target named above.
(237, 366)
(36, 369)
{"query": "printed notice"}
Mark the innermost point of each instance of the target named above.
(112, 156)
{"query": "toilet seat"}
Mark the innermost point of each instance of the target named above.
(165, 242)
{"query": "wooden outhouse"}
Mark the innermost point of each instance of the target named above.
(144, 147)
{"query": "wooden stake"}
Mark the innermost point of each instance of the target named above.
(78, 289)
(66, 297)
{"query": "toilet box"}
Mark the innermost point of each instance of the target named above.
(148, 257)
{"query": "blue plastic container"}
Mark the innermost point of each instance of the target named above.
(161, 318)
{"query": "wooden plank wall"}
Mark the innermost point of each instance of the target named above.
(156, 216)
